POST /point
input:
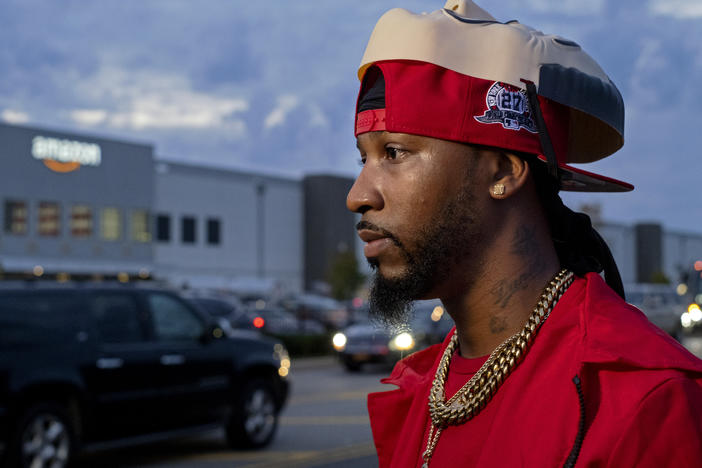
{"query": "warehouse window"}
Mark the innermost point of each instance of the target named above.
(15, 217)
(213, 227)
(81, 221)
(163, 228)
(187, 230)
(111, 224)
(140, 226)
(49, 219)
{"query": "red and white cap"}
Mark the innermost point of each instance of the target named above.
(458, 74)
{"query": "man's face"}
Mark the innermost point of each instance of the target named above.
(420, 203)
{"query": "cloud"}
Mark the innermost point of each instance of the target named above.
(208, 84)
(649, 62)
(178, 110)
(89, 117)
(317, 116)
(278, 115)
(569, 7)
(14, 117)
(679, 9)
(150, 99)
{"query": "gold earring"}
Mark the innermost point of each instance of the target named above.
(498, 189)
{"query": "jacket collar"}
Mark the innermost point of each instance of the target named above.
(609, 331)
(614, 332)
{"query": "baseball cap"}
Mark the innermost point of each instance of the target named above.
(458, 74)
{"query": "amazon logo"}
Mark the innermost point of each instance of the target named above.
(65, 155)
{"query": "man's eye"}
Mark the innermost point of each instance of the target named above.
(393, 153)
(361, 162)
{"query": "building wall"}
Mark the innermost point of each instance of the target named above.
(289, 234)
(671, 252)
(329, 226)
(123, 179)
(254, 242)
(680, 252)
(649, 251)
(621, 240)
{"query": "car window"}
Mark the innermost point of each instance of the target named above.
(173, 320)
(116, 318)
(213, 307)
(275, 314)
(39, 319)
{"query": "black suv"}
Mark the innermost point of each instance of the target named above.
(84, 365)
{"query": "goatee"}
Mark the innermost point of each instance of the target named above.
(450, 238)
(391, 300)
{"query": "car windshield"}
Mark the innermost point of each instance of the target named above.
(213, 307)
(653, 299)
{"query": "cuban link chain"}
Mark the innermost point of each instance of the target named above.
(477, 392)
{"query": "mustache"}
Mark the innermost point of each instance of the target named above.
(372, 227)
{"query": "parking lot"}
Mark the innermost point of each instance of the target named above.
(325, 424)
(132, 373)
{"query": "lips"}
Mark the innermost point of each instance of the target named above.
(376, 242)
(367, 235)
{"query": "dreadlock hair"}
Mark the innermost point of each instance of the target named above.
(578, 245)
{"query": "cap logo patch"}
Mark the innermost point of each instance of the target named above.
(507, 105)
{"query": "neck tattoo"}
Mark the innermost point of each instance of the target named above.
(478, 391)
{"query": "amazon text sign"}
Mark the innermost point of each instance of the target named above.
(65, 155)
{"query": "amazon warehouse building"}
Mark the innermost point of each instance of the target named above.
(84, 208)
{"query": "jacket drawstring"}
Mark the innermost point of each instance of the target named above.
(575, 451)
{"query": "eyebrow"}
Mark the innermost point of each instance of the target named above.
(372, 135)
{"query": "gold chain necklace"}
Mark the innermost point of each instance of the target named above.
(477, 392)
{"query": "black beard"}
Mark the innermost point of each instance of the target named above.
(391, 300)
(441, 245)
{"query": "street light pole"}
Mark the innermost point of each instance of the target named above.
(260, 228)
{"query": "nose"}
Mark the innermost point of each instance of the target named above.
(364, 194)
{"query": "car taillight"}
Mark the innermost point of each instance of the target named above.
(258, 322)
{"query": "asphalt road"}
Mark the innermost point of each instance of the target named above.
(325, 424)
(693, 343)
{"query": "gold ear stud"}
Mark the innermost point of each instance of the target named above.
(498, 189)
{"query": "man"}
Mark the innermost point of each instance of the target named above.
(464, 127)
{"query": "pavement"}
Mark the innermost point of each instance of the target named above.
(315, 362)
(693, 344)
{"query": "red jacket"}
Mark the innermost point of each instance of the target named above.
(641, 397)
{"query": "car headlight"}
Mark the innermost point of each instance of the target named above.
(402, 342)
(339, 342)
(695, 312)
(685, 320)
(281, 354)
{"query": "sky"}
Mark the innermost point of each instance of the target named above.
(271, 86)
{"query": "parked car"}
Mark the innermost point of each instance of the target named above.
(216, 305)
(228, 314)
(367, 342)
(660, 303)
(278, 321)
(330, 312)
(82, 365)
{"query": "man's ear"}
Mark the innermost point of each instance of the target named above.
(510, 174)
